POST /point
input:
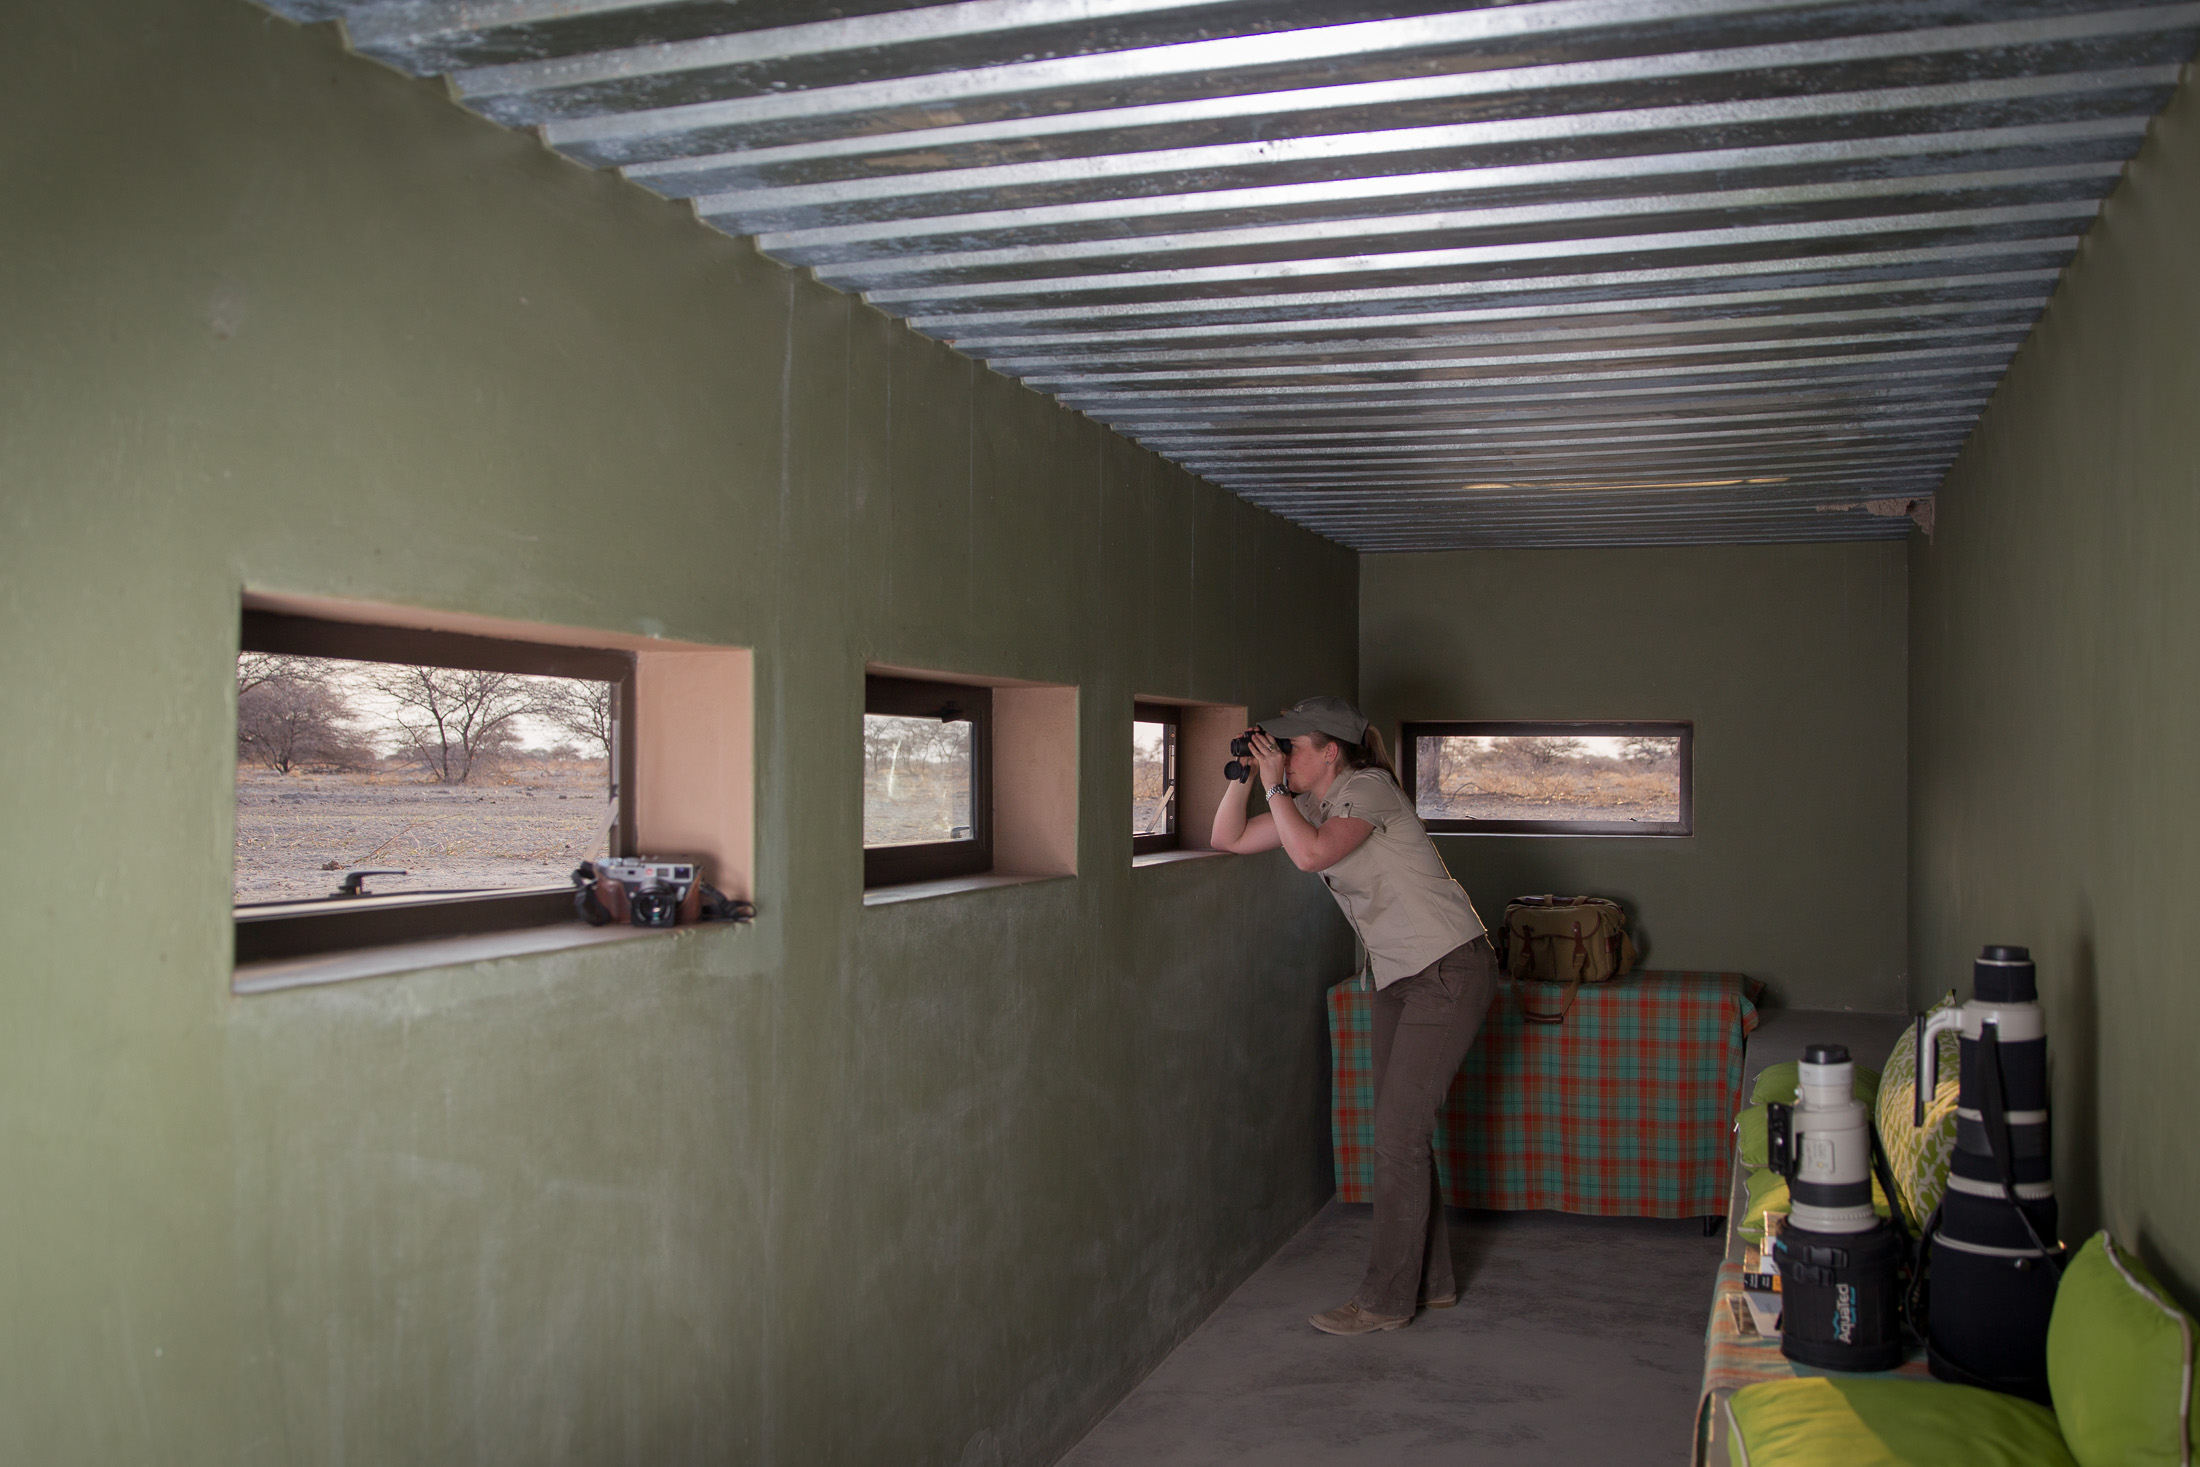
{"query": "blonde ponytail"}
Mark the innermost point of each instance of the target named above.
(1377, 755)
(1369, 754)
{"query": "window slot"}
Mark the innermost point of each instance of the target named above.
(1156, 785)
(927, 780)
(1551, 778)
(396, 784)
(658, 761)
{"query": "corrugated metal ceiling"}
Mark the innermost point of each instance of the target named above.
(1575, 272)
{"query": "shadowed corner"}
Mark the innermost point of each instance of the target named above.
(2183, 1286)
(2075, 1085)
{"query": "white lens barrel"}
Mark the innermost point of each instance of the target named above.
(1830, 1191)
(1821, 1087)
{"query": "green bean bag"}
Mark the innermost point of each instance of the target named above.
(1749, 1136)
(1865, 1421)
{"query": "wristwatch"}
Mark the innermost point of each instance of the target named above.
(1278, 789)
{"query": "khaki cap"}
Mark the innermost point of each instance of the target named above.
(1322, 714)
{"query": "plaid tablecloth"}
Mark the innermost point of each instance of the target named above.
(1623, 1109)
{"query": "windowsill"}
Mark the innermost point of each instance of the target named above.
(276, 974)
(1170, 858)
(917, 891)
(1561, 834)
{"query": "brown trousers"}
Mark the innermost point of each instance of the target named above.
(1424, 1026)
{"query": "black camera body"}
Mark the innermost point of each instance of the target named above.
(1241, 767)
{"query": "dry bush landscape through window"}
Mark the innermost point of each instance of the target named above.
(460, 779)
(917, 776)
(1152, 754)
(1541, 777)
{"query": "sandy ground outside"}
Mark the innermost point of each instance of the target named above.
(1498, 806)
(924, 806)
(527, 825)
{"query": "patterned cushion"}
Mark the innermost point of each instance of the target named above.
(1919, 1155)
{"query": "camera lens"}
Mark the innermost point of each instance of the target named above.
(653, 906)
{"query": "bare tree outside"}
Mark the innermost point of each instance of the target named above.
(255, 668)
(1544, 753)
(288, 715)
(461, 780)
(453, 719)
(588, 711)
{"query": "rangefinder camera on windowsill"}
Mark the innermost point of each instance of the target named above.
(651, 891)
(645, 891)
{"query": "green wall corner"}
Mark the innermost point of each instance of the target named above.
(2055, 617)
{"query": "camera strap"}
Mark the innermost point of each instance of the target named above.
(1995, 1114)
(585, 901)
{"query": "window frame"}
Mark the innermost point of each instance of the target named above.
(1172, 775)
(936, 860)
(271, 931)
(1410, 734)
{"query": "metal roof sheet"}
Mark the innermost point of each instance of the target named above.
(1412, 275)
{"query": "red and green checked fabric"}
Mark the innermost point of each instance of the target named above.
(1623, 1109)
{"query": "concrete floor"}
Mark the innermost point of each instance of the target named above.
(1579, 1340)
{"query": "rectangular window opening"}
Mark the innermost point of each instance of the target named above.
(395, 784)
(1551, 778)
(927, 780)
(1156, 736)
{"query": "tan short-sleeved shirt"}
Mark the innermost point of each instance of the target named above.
(1393, 887)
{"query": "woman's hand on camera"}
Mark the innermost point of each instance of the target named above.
(1267, 758)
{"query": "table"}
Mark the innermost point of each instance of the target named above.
(1622, 1110)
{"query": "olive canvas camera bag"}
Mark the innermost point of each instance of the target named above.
(1570, 940)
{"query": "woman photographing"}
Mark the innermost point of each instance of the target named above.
(1334, 806)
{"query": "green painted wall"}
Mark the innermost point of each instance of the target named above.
(932, 1183)
(1789, 659)
(2055, 800)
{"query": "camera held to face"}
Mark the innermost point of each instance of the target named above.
(1241, 767)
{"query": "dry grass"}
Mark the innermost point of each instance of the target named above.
(1498, 788)
(927, 804)
(526, 825)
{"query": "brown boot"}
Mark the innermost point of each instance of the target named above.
(1351, 1319)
